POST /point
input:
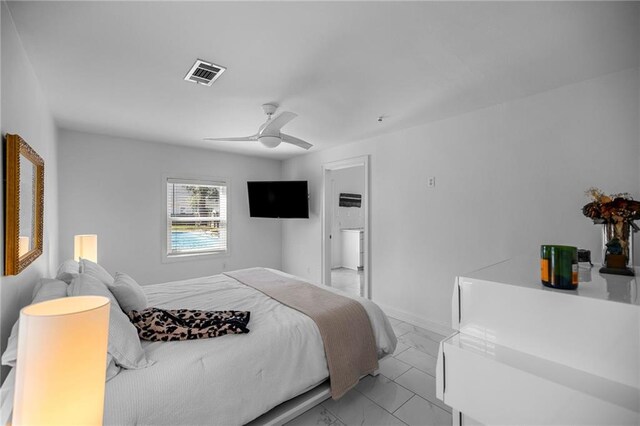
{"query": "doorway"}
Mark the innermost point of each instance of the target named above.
(345, 225)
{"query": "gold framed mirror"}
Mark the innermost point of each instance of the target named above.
(24, 205)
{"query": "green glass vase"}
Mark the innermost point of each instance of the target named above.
(559, 266)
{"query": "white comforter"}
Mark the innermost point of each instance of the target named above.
(231, 379)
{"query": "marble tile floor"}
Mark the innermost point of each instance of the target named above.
(403, 394)
(347, 280)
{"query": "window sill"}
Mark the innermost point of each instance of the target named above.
(171, 258)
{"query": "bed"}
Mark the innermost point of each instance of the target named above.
(233, 379)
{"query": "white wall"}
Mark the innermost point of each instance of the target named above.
(24, 111)
(509, 178)
(113, 187)
(351, 181)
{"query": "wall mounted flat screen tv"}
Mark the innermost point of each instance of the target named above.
(279, 199)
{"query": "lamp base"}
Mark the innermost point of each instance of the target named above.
(617, 271)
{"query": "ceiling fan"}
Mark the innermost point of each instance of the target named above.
(269, 133)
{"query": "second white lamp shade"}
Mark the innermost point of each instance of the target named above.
(86, 247)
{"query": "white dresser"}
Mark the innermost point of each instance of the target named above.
(527, 354)
(352, 248)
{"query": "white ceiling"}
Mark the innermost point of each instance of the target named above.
(117, 67)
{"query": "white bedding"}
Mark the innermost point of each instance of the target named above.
(231, 379)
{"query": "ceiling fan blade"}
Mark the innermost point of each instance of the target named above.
(295, 141)
(244, 138)
(274, 125)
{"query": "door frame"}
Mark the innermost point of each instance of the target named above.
(326, 216)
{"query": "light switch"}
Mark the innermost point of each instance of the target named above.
(431, 182)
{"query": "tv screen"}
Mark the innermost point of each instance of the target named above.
(279, 199)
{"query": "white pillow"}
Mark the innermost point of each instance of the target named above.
(96, 271)
(68, 271)
(124, 344)
(45, 289)
(129, 293)
(112, 368)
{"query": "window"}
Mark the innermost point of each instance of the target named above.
(196, 217)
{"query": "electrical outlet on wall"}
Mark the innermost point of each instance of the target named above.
(431, 182)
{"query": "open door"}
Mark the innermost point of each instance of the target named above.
(345, 226)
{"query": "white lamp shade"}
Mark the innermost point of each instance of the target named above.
(23, 245)
(86, 247)
(61, 366)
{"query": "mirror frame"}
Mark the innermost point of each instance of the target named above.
(15, 146)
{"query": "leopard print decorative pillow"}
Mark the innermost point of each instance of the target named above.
(160, 325)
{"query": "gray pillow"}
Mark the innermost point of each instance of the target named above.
(129, 293)
(68, 271)
(96, 271)
(124, 344)
(45, 289)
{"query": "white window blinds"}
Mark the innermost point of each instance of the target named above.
(196, 217)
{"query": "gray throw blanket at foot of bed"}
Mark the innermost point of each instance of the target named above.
(344, 325)
(163, 325)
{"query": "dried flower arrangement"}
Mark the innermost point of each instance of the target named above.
(616, 209)
(616, 212)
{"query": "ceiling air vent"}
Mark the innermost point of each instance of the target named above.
(203, 72)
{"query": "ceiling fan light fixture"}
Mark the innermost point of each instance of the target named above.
(269, 133)
(270, 141)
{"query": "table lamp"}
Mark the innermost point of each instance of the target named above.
(61, 366)
(86, 247)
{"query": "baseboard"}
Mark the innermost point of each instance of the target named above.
(417, 320)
